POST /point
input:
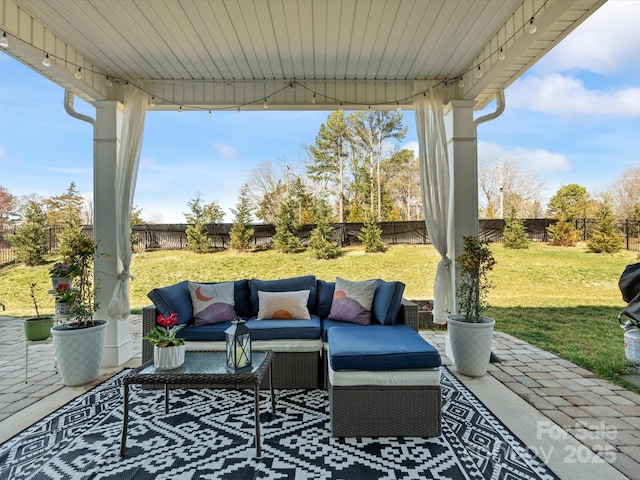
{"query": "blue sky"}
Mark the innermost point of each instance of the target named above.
(573, 118)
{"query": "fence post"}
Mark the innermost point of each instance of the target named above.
(626, 232)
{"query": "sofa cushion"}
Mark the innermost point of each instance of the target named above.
(283, 305)
(325, 298)
(378, 348)
(327, 324)
(352, 301)
(204, 333)
(285, 329)
(212, 302)
(307, 282)
(177, 298)
(387, 301)
(174, 298)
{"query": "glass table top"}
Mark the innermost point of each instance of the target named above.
(200, 363)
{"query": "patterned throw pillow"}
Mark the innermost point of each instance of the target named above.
(212, 302)
(283, 305)
(352, 301)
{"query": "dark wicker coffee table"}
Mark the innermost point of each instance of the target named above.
(202, 370)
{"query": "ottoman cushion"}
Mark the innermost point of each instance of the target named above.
(397, 347)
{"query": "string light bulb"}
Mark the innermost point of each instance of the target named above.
(238, 111)
(180, 109)
(46, 61)
(532, 27)
(501, 54)
(265, 104)
(209, 113)
(152, 102)
(398, 108)
(4, 41)
(78, 74)
(479, 74)
(461, 83)
(109, 82)
(313, 99)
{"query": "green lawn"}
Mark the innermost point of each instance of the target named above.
(564, 300)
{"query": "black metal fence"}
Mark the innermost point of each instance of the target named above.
(174, 237)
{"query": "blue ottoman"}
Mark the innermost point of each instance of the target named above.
(383, 381)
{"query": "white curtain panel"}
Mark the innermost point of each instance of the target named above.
(435, 184)
(135, 108)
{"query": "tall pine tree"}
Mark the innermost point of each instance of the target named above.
(286, 238)
(241, 234)
(321, 241)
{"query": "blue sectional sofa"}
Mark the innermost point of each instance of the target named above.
(299, 343)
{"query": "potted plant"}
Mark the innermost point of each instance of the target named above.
(168, 351)
(471, 333)
(39, 327)
(65, 296)
(62, 272)
(79, 344)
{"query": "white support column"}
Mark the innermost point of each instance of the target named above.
(463, 161)
(106, 143)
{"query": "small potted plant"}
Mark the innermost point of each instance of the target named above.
(83, 337)
(168, 350)
(65, 296)
(471, 333)
(62, 272)
(39, 327)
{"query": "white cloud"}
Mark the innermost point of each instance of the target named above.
(412, 146)
(555, 93)
(538, 160)
(227, 151)
(607, 42)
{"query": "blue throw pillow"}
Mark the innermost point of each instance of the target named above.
(307, 282)
(325, 298)
(174, 298)
(387, 301)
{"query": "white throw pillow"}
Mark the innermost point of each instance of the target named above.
(212, 302)
(283, 305)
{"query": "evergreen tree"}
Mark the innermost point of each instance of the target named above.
(371, 235)
(514, 234)
(29, 242)
(197, 239)
(241, 234)
(71, 231)
(286, 238)
(568, 204)
(321, 240)
(199, 218)
(606, 238)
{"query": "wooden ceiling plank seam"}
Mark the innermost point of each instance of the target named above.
(164, 34)
(344, 32)
(221, 29)
(278, 27)
(320, 53)
(403, 45)
(376, 29)
(242, 38)
(255, 35)
(306, 32)
(327, 63)
(268, 39)
(294, 41)
(383, 43)
(204, 40)
(218, 49)
(120, 63)
(198, 55)
(356, 45)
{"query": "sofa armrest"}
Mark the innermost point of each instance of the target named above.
(149, 316)
(408, 314)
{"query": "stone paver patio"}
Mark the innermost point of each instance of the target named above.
(548, 402)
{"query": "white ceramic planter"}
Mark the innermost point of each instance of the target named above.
(79, 352)
(470, 344)
(168, 358)
(55, 281)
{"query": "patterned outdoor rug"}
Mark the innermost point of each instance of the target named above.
(209, 434)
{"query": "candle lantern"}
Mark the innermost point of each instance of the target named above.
(238, 338)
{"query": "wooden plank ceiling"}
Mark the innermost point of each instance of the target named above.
(233, 52)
